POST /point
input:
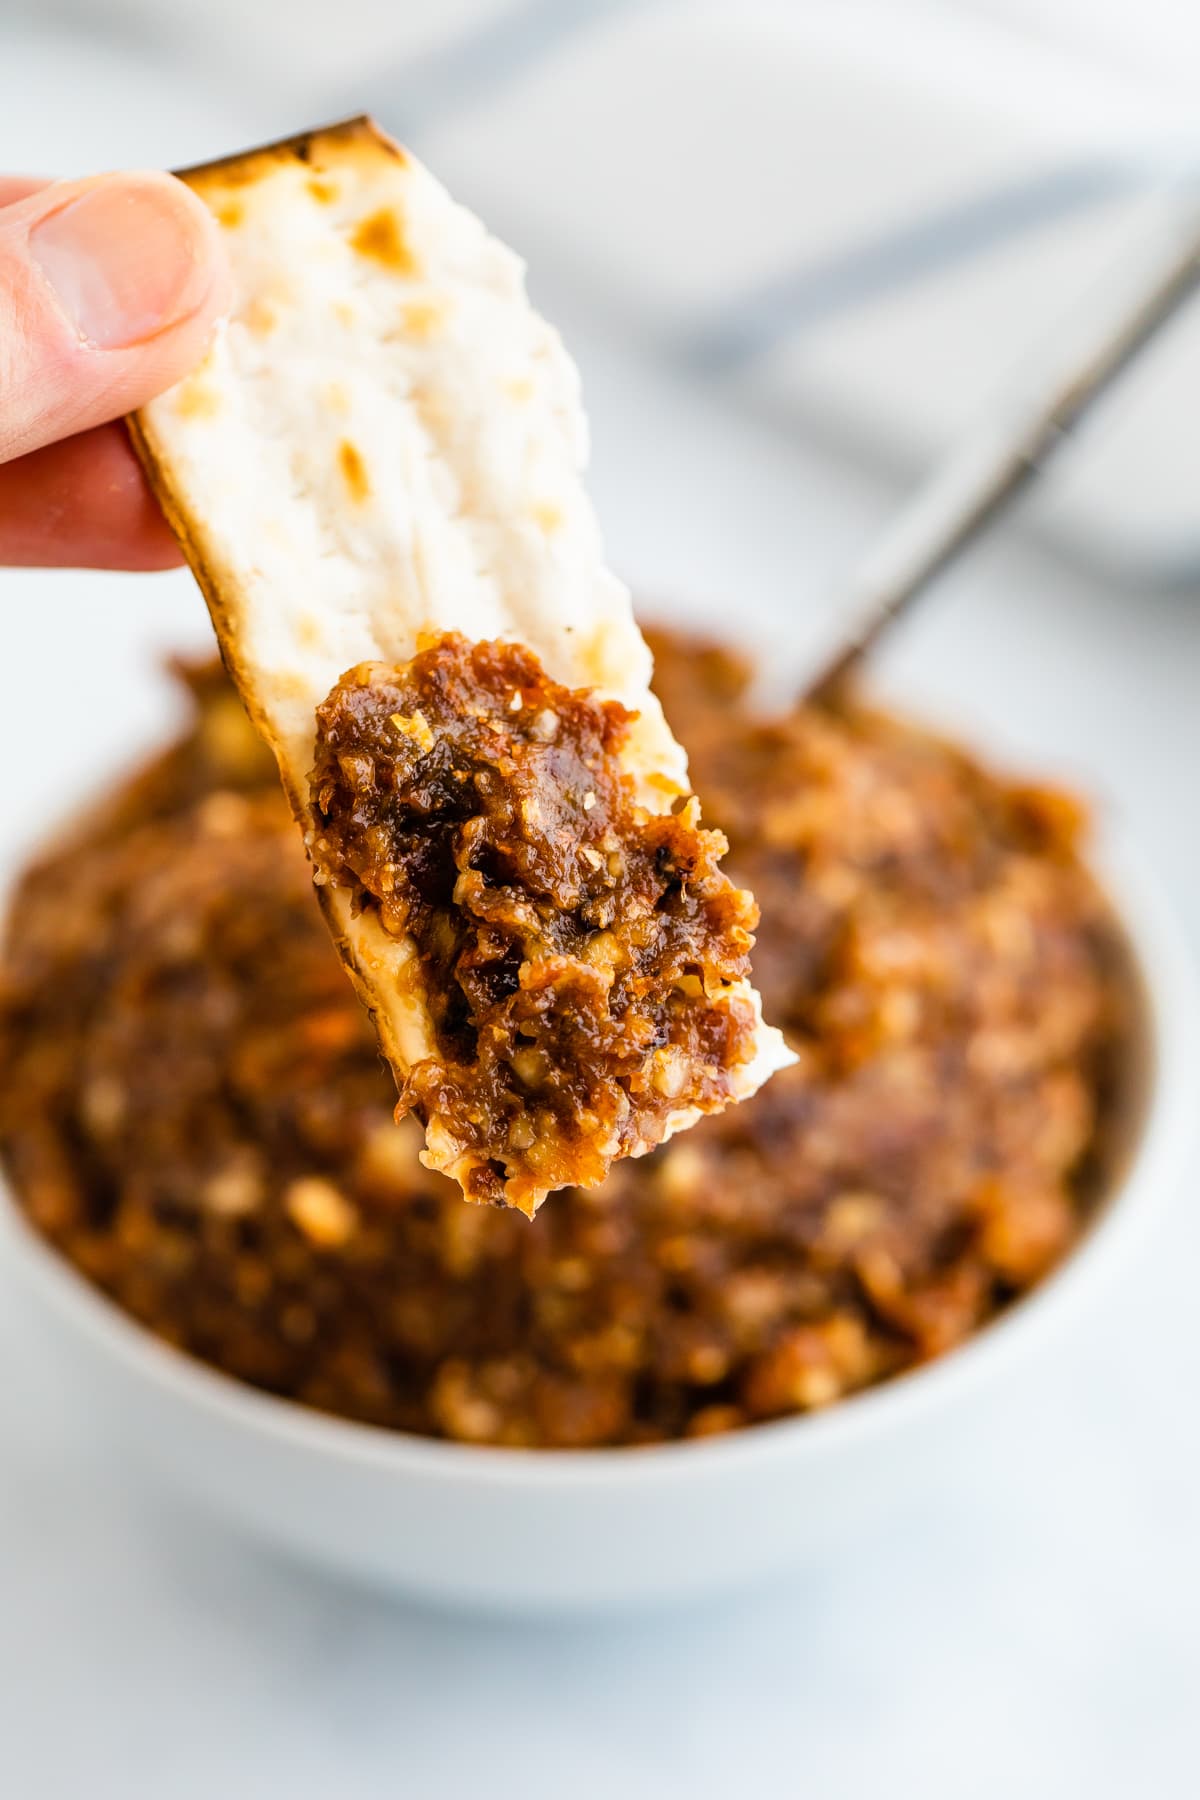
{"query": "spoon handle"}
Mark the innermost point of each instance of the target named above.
(998, 459)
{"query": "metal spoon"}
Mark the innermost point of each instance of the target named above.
(1001, 456)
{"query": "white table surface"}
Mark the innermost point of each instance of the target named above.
(1033, 1630)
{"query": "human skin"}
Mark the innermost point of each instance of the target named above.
(110, 289)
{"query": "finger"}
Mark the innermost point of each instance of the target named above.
(18, 187)
(109, 290)
(83, 503)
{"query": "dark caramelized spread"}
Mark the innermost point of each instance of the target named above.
(194, 1112)
(576, 952)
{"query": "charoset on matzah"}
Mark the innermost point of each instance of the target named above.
(376, 475)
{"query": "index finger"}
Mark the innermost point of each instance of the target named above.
(19, 187)
(82, 503)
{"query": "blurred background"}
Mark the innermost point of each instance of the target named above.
(856, 214)
(795, 245)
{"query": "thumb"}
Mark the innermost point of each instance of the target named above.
(109, 290)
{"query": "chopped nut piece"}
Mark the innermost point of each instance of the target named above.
(415, 726)
(321, 1211)
(103, 1105)
(237, 1189)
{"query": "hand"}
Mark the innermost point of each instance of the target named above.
(109, 291)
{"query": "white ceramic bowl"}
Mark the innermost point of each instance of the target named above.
(562, 1530)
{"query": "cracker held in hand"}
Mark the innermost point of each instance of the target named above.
(376, 476)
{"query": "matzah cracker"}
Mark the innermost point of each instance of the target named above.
(384, 445)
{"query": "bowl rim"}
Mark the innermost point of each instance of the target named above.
(1166, 971)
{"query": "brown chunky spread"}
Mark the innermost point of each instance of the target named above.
(193, 1109)
(576, 953)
